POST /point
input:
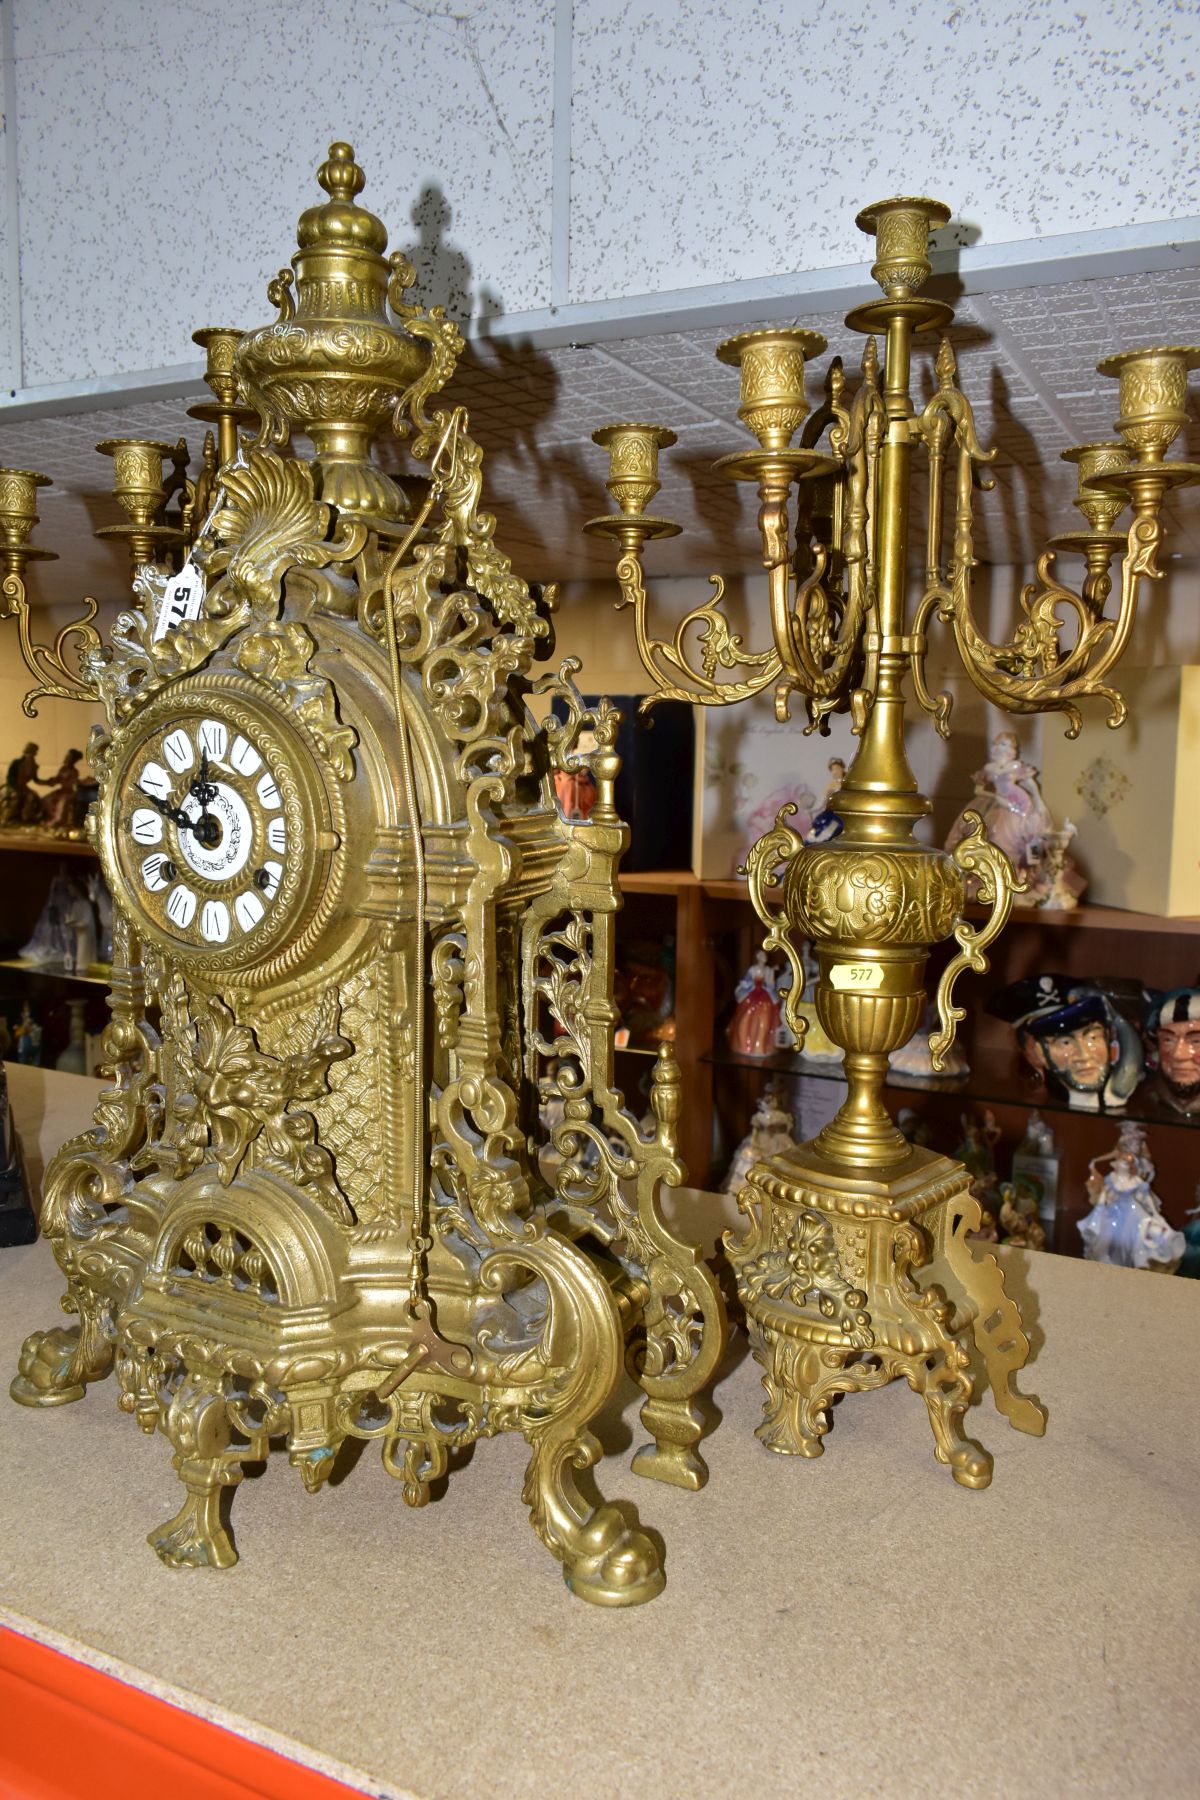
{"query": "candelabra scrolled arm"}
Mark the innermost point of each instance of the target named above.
(1035, 671)
(998, 886)
(47, 663)
(773, 851)
(1064, 646)
(666, 660)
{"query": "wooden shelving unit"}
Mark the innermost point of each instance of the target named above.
(716, 934)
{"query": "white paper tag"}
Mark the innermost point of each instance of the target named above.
(182, 598)
(856, 975)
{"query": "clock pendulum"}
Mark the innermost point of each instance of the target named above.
(357, 949)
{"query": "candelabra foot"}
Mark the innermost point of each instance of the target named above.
(676, 1427)
(844, 1275)
(975, 1280)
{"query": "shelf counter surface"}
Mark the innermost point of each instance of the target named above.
(435, 1655)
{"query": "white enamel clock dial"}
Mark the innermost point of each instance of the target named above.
(203, 835)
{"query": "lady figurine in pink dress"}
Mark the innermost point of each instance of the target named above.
(754, 1027)
(1008, 797)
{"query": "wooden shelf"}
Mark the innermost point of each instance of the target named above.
(988, 1082)
(1096, 918)
(1079, 918)
(98, 975)
(34, 844)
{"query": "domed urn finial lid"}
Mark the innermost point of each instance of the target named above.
(339, 220)
(334, 364)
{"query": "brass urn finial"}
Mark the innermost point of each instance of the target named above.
(339, 220)
(334, 364)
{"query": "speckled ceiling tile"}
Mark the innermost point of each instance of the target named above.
(715, 140)
(166, 155)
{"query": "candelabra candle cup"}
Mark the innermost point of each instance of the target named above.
(771, 365)
(219, 342)
(633, 463)
(1098, 507)
(18, 505)
(18, 516)
(901, 231)
(1153, 395)
(138, 475)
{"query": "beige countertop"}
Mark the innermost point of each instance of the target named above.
(858, 1625)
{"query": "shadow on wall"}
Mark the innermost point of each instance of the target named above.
(443, 272)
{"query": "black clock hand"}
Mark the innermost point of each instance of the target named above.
(202, 789)
(176, 814)
(206, 829)
(202, 829)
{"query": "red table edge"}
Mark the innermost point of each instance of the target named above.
(73, 1716)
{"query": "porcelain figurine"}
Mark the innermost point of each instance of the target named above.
(58, 806)
(575, 790)
(1035, 1169)
(72, 1060)
(761, 817)
(1191, 1237)
(51, 943)
(79, 923)
(771, 1132)
(1008, 797)
(912, 1061)
(1076, 1038)
(19, 804)
(1173, 1047)
(648, 999)
(818, 1046)
(827, 823)
(101, 899)
(1125, 1224)
(28, 1034)
(754, 1027)
(1019, 1222)
(977, 1153)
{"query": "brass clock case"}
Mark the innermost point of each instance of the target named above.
(311, 877)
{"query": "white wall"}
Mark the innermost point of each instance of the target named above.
(715, 140)
(160, 154)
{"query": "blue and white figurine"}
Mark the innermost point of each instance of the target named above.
(1125, 1225)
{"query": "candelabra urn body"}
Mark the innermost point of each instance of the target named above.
(855, 1266)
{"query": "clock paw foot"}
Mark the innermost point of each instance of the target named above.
(197, 1423)
(195, 1538)
(605, 1559)
(55, 1366)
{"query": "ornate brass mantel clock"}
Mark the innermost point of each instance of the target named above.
(855, 1267)
(356, 950)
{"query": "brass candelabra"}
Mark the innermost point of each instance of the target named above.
(165, 512)
(855, 1267)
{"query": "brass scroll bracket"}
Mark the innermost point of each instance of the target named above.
(998, 886)
(775, 849)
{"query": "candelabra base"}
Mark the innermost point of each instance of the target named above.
(851, 1278)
